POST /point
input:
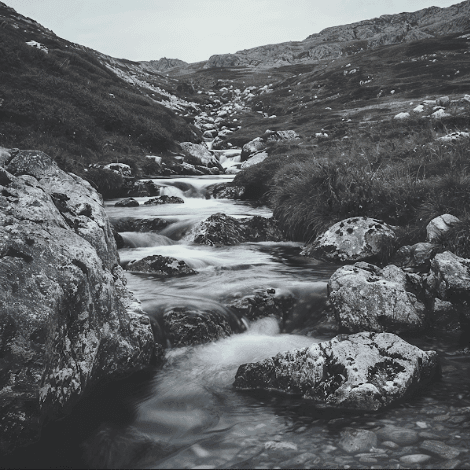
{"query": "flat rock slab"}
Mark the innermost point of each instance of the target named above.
(400, 436)
(365, 371)
(440, 449)
(353, 239)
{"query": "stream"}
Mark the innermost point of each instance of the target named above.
(187, 413)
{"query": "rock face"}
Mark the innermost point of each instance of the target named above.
(161, 265)
(366, 371)
(220, 229)
(438, 226)
(186, 327)
(365, 297)
(353, 239)
(67, 320)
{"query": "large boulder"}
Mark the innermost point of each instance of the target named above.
(67, 320)
(201, 154)
(439, 225)
(366, 298)
(353, 239)
(221, 229)
(415, 257)
(365, 371)
(161, 265)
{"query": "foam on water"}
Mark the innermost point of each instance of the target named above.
(145, 239)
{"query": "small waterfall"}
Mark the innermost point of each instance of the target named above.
(143, 239)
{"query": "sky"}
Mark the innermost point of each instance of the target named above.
(193, 30)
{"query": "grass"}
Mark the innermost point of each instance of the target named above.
(396, 172)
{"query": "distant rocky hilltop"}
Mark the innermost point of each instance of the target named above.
(346, 39)
(163, 64)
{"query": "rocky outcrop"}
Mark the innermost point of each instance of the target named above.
(221, 229)
(353, 239)
(184, 326)
(67, 320)
(365, 371)
(366, 298)
(161, 265)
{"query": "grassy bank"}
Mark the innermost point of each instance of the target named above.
(399, 172)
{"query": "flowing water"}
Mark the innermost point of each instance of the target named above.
(186, 413)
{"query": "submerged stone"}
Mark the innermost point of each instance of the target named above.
(365, 371)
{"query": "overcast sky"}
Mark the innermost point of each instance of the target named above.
(193, 30)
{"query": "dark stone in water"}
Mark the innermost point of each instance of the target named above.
(140, 225)
(129, 202)
(225, 191)
(185, 327)
(161, 265)
(164, 200)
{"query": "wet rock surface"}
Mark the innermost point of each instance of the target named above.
(66, 316)
(367, 298)
(129, 202)
(353, 239)
(365, 371)
(140, 225)
(220, 229)
(225, 191)
(161, 265)
(164, 200)
(186, 327)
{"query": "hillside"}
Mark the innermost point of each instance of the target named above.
(80, 106)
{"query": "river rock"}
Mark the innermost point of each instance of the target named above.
(200, 154)
(129, 224)
(255, 159)
(252, 147)
(219, 144)
(221, 229)
(438, 226)
(141, 188)
(365, 297)
(263, 303)
(184, 326)
(415, 257)
(357, 440)
(67, 319)
(440, 449)
(353, 239)
(415, 459)
(225, 191)
(400, 436)
(365, 371)
(161, 265)
(129, 202)
(164, 200)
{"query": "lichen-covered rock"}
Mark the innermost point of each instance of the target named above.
(129, 224)
(221, 229)
(129, 202)
(67, 320)
(184, 326)
(225, 191)
(161, 265)
(263, 303)
(366, 298)
(353, 239)
(438, 226)
(365, 371)
(164, 200)
(415, 257)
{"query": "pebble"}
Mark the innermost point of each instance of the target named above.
(439, 448)
(401, 436)
(357, 440)
(421, 424)
(272, 445)
(415, 459)
(390, 445)
(429, 435)
(454, 463)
